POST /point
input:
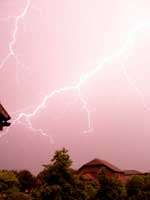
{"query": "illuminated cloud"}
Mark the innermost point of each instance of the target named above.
(70, 74)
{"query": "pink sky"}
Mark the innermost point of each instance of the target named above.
(90, 58)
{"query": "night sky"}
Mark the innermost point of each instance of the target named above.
(75, 74)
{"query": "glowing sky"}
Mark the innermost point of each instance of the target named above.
(75, 73)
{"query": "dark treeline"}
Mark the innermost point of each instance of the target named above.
(58, 181)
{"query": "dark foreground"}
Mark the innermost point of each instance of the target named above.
(58, 181)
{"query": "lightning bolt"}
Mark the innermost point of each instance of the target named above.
(77, 87)
(83, 79)
(132, 83)
(14, 34)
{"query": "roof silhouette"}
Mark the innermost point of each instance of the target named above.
(98, 162)
(132, 172)
(4, 117)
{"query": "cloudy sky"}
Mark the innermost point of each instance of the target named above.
(75, 74)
